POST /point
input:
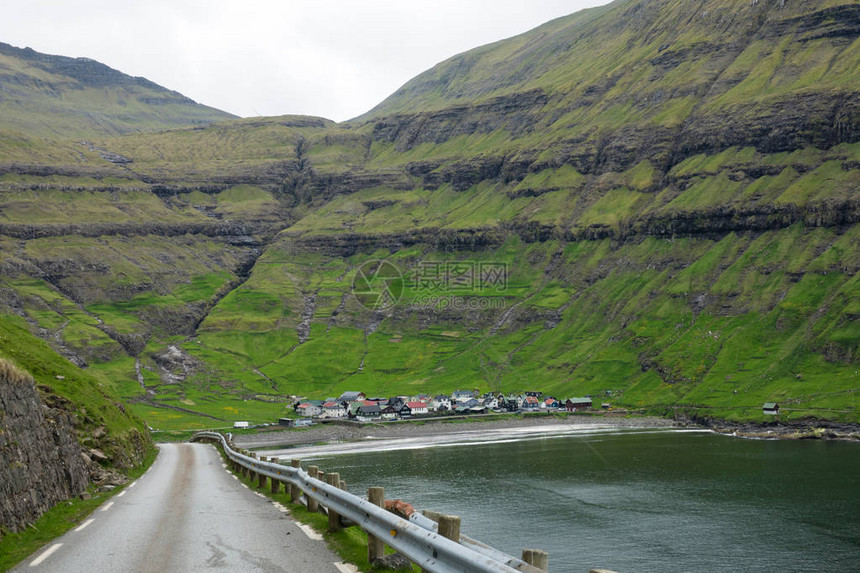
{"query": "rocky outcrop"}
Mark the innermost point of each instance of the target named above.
(41, 461)
(727, 218)
(348, 244)
(516, 113)
(787, 123)
(324, 186)
(175, 365)
(233, 232)
(716, 221)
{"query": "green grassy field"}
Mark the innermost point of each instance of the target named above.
(629, 330)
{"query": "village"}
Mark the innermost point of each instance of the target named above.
(356, 406)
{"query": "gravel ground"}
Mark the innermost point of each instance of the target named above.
(349, 431)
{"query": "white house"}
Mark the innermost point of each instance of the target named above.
(440, 403)
(333, 409)
(417, 408)
(308, 409)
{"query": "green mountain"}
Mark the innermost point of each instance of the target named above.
(56, 96)
(654, 202)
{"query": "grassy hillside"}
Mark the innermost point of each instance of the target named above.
(671, 188)
(659, 56)
(61, 97)
(691, 323)
(102, 420)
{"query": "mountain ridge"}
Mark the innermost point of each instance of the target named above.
(675, 201)
(59, 96)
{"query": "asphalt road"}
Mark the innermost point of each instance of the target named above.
(187, 513)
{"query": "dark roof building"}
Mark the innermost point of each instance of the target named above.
(369, 411)
(351, 397)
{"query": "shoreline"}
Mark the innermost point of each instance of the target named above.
(776, 430)
(345, 432)
(341, 432)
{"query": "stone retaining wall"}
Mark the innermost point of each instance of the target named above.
(41, 462)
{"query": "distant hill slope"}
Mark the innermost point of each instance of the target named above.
(650, 52)
(57, 96)
(672, 188)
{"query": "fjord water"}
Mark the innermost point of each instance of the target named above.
(641, 501)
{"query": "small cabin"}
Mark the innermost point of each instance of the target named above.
(770, 409)
(578, 404)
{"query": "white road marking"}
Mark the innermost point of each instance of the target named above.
(122, 493)
(134, 483)
(310, 532)
(245, 486)
(346, 567)
(38, 560)
(280, 507)
(107, 507)
(84, 524)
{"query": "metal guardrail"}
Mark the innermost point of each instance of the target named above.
(416, 538)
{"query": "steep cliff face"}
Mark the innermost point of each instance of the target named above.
(41, 461)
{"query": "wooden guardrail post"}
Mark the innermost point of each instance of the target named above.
(375, 546)
(431, 515)
(334, 523)
(295, 492)
(449, 527)
(261, 479)
(313, 505)
(536, 557)
(253, 475)
(276, 485)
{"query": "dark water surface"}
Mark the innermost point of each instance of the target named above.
(638, 500)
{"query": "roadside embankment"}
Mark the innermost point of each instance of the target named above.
(40, 459)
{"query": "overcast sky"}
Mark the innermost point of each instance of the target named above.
(335, 59)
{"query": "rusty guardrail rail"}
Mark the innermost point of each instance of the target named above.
(435, 547)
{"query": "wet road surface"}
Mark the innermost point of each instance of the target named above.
(187, 513)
